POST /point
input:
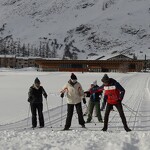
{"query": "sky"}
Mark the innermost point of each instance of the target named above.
(15, 125)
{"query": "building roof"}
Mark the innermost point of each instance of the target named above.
(7, 56)
(109, 57)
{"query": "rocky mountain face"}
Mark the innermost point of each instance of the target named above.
(75, 29)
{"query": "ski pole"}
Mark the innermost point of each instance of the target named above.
(90, 114)
(48, 112)
(131, 110)
(61, 110)
(28, 115)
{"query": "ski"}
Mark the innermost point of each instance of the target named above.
(28, 129)
(66, 130)
(71, 129)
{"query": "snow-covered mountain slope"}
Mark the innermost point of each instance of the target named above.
(81, 28)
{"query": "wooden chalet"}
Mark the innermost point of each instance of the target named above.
(91, 65)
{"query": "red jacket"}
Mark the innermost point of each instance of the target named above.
(113, 92)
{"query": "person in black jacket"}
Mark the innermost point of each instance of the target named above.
(36, 102)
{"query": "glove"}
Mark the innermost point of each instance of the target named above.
(29, 100)
(87, 93)
(84, 100)
(119, 101)
(62, 95)
(45, 95)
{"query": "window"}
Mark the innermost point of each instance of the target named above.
(131, 66)
(76, 66)
(65, 66)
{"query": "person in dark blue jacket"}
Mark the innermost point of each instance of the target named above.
(94, 102)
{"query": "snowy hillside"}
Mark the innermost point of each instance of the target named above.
(16, 134)
(79, 29)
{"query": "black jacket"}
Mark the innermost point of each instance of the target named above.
(35, 95)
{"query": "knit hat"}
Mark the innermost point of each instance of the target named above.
(73, 76)
(105, 79)
(37, 81)
(94, 82)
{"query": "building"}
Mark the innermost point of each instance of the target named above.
(120, 57)
(119, 63)
(11, 61)
(22, 62)
(7, 61)
(91, 65)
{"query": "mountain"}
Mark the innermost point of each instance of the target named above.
(78, 29)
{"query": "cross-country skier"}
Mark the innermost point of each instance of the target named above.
(94, 102)
(114, 93)
(75, 93)
(36, 102)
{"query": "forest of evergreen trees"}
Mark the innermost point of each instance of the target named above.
(47, 48)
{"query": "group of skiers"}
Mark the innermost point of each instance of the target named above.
(113, 96)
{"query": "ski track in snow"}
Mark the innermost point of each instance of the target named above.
(19, 135)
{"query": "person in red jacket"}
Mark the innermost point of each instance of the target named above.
(114, 94)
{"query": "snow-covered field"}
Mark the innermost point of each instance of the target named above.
(16, 135)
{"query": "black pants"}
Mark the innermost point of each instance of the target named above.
(121, 113)
(34, 108)
(70, 109)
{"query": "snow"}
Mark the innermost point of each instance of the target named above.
(15, 131)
